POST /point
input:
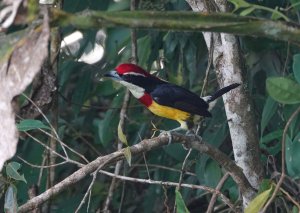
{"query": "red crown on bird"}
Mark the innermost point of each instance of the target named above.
(125, 69)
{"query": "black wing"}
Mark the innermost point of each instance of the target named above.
(180, 98)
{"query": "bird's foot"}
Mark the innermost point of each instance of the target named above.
(191, 133)
(168, 133)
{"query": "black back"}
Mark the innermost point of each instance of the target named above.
(177, 97)
(171, 95)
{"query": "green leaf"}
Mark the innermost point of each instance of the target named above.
(296, 67)
(268, 112)
(276, 14)
(292, 156)
(277, 134)
(259, 201)
(265, 185)
(127, 154)
(239, 4)
(295, 208)
(121, 135)
(212, 173)
(117, 38)
(12, 171)
(283, 90)
(295, 4)
(247, 11)
(30, 124)
(10, 202)
(180, 205)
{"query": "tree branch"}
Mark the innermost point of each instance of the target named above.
(144, 146)
(155, 182)
(215, 22)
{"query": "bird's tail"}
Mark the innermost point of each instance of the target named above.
(221, 92)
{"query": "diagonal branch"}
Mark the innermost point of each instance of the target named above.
(143, 146)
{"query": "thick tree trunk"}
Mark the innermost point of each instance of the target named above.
(238, 106)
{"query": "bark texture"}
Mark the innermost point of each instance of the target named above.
(146, 145)
(238, 106)
(17, 71)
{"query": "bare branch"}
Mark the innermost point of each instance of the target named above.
(53, 151)
(41, 166)
(88, 190)
(165, 167)
(155, 182)
(214, 197)
(143, 146)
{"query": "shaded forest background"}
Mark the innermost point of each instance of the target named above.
(84, 109)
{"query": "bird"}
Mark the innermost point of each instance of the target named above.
(163, 98)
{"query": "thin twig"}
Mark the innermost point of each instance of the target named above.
(210, 59)
(88, 190)
(47, 120)
(143, 146)
(181, 175)
(65, 145)
(146, 164)
(213, 199)
(145, 160)
(78, 135)
(89, 201)
(40, 166)
(111, 188)
(287, 58)
(61, 142)
(291, 198)
(123, 193)
(48, 148)
(167, 183)
(183, 168)
(164, 167)
(42, 169)
(295, 113)
(120, 145)
(166, 199)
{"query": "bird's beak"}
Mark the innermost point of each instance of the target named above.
(114, 75)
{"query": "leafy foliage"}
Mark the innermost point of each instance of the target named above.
(181, 208)
(29, 124)
(88, 110)
(258, 202)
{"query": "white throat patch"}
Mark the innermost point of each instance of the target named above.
(134, 73)
(135, 90)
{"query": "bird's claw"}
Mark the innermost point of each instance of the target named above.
(191, 133)
(168, 133)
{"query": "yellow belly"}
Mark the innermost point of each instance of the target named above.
(171, 113)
